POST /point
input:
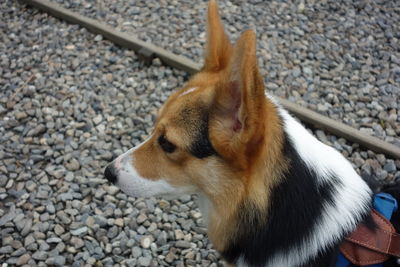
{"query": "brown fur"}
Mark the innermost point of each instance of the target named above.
(244, 129)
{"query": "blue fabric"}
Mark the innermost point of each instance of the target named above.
(341, 260)
(383, 203)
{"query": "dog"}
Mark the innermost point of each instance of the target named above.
(270, 193)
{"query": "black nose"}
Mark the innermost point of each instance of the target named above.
(110, 174)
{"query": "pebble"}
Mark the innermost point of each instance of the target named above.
(390, 166)
(20, 115)
(58, 229)
(7, 217)
(98, 119)
(22, 260)
(59, 261)
(145, 242)
(119, 222)
(112, 232)
(77, 242)
(6, 250)
(80, 231)
(141, 218)
(182, 244)
(39, 255)
(98, 38)
(53, 240)
(73, 165)
(29, 240)
(136, 252)
(144, 261)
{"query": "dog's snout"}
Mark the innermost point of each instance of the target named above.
(110, 173)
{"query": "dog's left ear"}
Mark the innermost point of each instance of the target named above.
(235, 117)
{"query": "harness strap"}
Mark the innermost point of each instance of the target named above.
(369, 246)
(373, 255)
(385, 242)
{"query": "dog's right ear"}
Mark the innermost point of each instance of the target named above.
(218, 47)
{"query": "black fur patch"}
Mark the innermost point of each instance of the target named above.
(201, 146)
(296, 205)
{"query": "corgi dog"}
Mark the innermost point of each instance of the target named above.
(270, 193)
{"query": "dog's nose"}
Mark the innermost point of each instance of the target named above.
(110, 174)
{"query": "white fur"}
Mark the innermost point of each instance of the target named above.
(188, 91)
(352, 198)
(135, 185)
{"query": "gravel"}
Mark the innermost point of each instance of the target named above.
(69, 102)
(339, 58)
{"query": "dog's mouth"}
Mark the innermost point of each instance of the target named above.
(121, 173)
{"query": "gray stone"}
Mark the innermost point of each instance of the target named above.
(22, 260)
(39, 255)
(112, 232)
(29, 240)
(38, 130)
(112, 190)
(59, 261)
(63, 217)
(185, 198)
(53, 240)
(65, 196)
(16, 244)
(162, 239)
(98, 38)
(8, 216)
(80, 231)
(6, 250)
(100, 220)
(145, 241)
(182, 244)
(144, 261)
(27, 227)
(77, 242)
(390, 166)
(73, 165)
(141, 218)
(58, 229)
(42, 194)
(44, 246)
(19, 252)
(97, 119)
(136, 252)
(50, 208)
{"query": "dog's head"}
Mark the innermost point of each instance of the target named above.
(208, 134)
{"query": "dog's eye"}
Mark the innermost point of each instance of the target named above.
(166, 145)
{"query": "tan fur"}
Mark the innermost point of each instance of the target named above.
(248, 140)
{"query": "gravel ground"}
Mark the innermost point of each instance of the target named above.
(69, 102)
(339, 58)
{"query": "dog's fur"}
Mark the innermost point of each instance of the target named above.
(271, 194)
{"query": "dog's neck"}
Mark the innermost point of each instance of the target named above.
(251, 186)
(299, 205)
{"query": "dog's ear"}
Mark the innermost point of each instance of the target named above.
(239, 101)
(218, 47)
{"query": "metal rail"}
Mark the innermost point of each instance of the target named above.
(146, 51)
